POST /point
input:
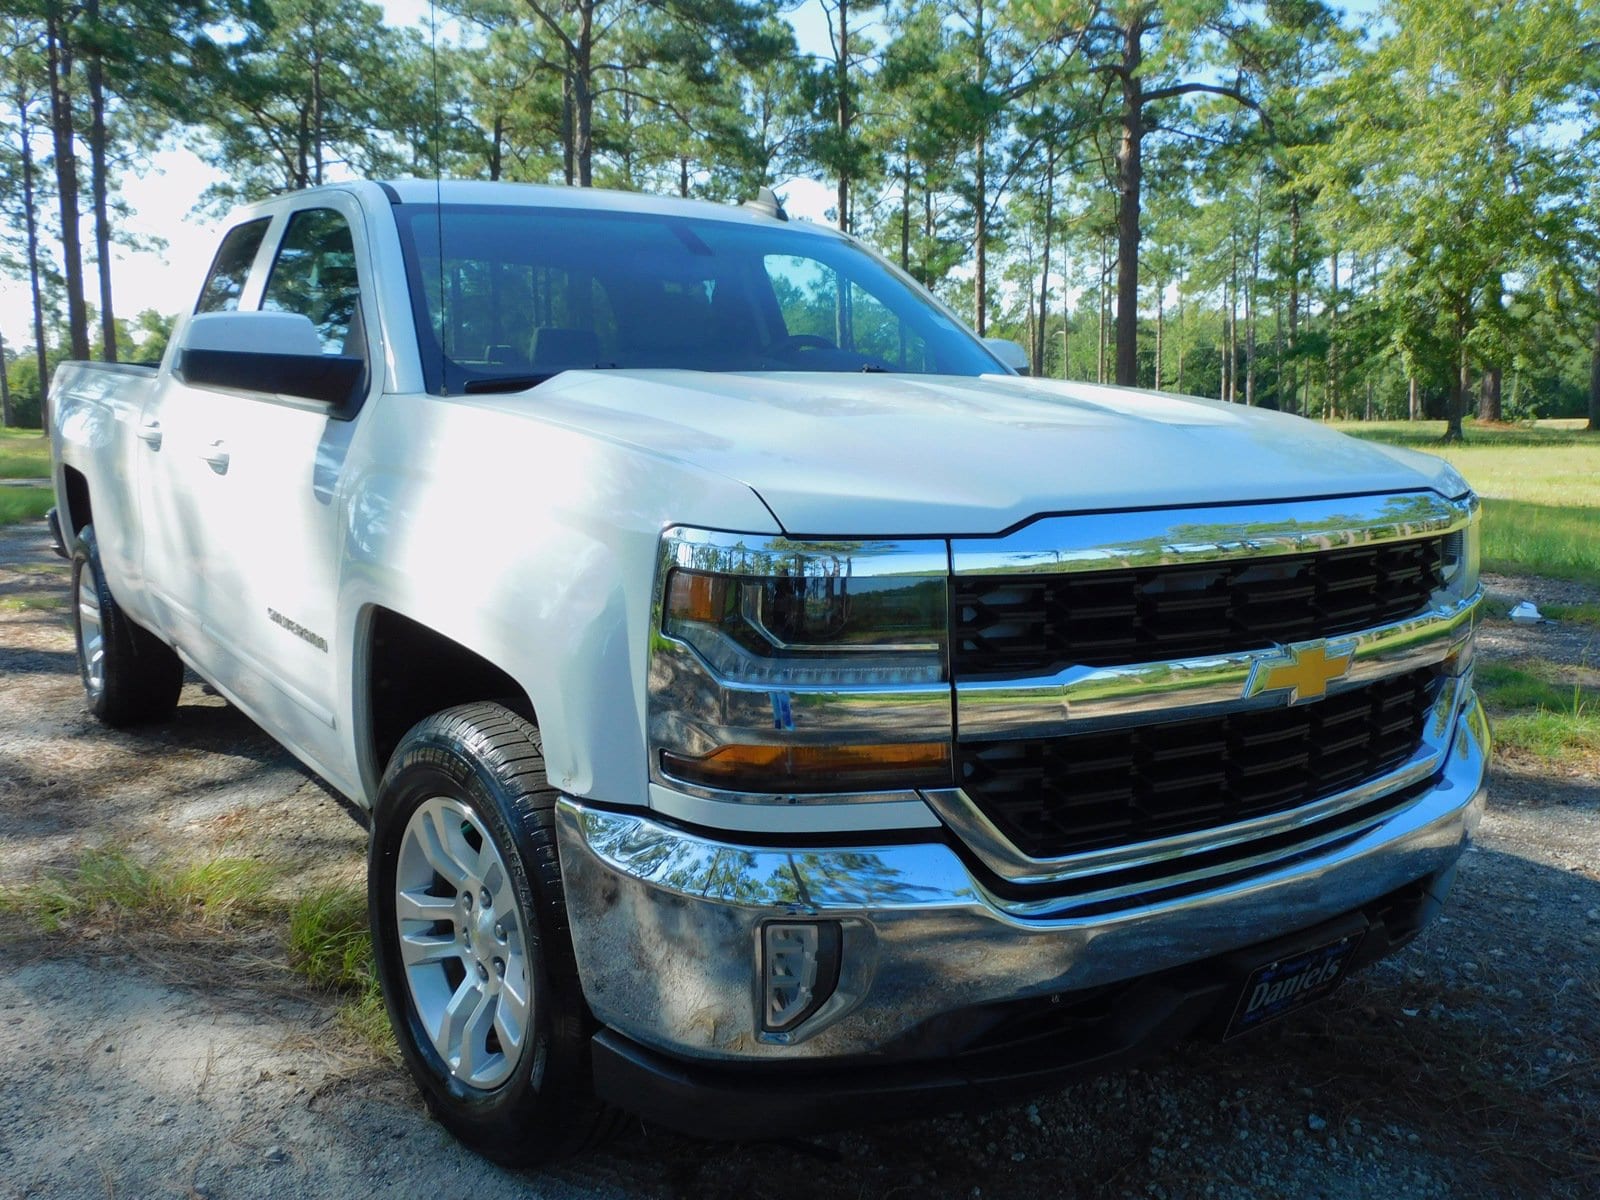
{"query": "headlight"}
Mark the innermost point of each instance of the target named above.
(813, 626)
(800, 668)
(1460, 568)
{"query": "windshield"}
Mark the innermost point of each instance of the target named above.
(524, 293)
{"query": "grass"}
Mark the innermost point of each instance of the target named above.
(330, 945)
(1541, 713)
(1578, 614)
(24, 454)
(110, 886)
(44, 603)
(1541, 489)
(24, 503)
(203, 905)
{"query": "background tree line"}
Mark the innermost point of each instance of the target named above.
(1267, 202)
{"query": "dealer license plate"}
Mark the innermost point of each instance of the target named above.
(1288, 983)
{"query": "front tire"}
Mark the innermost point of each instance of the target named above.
(471, 942)
(129, 675)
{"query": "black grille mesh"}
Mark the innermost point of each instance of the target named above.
(1014, 625)
(1065, 795)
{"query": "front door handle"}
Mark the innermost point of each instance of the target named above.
(150, 434)
(217, 457)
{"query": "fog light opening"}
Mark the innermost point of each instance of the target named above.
(799, 971)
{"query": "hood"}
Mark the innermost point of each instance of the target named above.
(873, 455)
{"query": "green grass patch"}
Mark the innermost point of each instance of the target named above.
(44, 603)
(1578, 614)
(1521, 538)
(24, 503)
(329, 944)
(328, 939)
(1541, 489)
(24, 454)
(112, 885)
(1538, 714)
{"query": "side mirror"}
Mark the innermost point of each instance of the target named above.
(277, 353)
(1009, 353)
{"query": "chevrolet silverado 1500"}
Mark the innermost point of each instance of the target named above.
(771, 708)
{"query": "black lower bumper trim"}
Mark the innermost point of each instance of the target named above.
(1033, 1054)
(788, 1099)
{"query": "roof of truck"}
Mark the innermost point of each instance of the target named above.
(469, 191)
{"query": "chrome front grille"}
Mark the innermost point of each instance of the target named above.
(1062, 795)
(1004, 625)
(1145, 700)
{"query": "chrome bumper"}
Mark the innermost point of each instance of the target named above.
(667, 924)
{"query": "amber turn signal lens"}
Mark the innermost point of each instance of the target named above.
(692, 596)
(815, 768)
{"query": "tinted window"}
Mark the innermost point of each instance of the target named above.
(315, 274)
(506, 297)
(231, 267)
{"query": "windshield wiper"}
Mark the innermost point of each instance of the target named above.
(521, 383)
(507, 383)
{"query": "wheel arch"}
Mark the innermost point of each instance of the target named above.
(406, 671)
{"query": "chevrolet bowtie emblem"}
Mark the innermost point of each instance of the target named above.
(1307, 669)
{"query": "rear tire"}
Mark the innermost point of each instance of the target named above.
(129, 675)
(471, 942)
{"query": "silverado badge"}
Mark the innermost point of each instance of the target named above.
(1306, 669)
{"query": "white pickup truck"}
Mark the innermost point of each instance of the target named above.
(773, 710)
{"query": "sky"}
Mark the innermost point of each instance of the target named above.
(161, 197)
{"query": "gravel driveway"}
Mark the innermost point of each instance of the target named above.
(1464, 1067)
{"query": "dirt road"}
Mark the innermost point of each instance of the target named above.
(147, 1065)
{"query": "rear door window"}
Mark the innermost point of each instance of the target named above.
(231, 267)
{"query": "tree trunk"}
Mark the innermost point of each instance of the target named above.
(1331, 404)
(1178, 383)
(30, 221)
(1489, 407)
(1161, 302)
(905, 209)
(7, 417)
(569, 137)
(1231, 373)
(1293, 368)
(583, 96)
(95, 77)
(1413, 400)
(58, 55)
(316, 106)
(1044, 272)
(1100, 352)
(1462, 394)
(842, 83)
(683, 176)
(1594, 374)
(980, 274)
(1277, 347)
(1130, 172)
(496, 146)
(1251, 282)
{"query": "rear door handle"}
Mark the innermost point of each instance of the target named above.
(150, 434)
(217, 457)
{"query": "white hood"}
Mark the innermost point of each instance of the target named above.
(905, 455)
